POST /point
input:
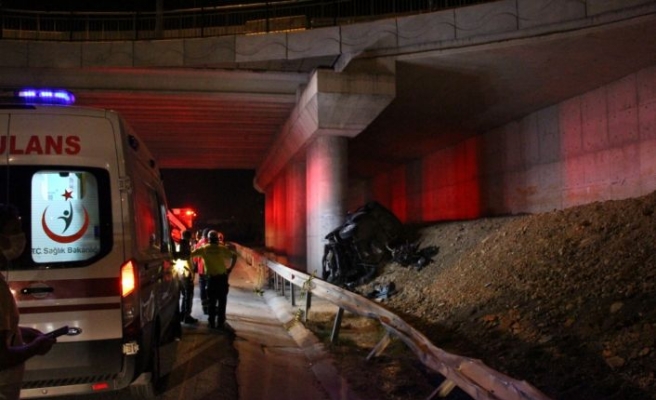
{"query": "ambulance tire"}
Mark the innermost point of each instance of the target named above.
(142, 390)
(152, 382)
(175, 331)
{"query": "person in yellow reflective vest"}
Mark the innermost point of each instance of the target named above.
(216, 258)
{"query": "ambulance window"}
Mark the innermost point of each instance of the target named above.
(166, 231)
(148, 227)
(65, 216)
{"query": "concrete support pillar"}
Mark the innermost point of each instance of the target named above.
(331, 108)
(331, 104)
(326, 182)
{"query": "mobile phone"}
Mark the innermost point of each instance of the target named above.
(58, 332)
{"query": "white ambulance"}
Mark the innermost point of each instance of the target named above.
(98, 252)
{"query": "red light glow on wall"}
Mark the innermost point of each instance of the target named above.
(279, 222)
(269, 228)
(451, 183)
(399, 197)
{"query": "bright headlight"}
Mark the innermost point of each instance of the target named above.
(179, 266)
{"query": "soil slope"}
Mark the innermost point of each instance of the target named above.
(565, 300)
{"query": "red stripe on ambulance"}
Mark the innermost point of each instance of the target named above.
(77, 307)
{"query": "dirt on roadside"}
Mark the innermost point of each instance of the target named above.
(564, 300)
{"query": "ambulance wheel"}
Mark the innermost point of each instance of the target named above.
(150, 382)
(143, 388)
(175, 332)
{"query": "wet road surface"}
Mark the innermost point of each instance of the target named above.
(268, 357)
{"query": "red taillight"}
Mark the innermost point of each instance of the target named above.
(128, 281)
(100, 386)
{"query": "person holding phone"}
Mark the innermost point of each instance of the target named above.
(17, 344)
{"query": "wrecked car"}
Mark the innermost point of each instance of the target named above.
(355, 249)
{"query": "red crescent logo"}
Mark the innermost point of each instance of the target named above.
(65, 239)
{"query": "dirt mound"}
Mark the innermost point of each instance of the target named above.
(565, 300)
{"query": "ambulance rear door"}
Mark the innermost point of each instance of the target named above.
(61, 171)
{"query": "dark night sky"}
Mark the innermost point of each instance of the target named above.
(223, 199)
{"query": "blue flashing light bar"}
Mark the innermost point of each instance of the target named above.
(46, 96)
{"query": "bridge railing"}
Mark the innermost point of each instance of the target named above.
(472, 376)
(263, 17)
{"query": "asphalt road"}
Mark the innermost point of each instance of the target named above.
(204, 368)
(268, 357)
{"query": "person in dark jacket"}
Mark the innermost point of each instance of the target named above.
(201, 240)
(17, 343)
(187, 277)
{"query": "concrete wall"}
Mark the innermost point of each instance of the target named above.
(597, 146)
(295, 205)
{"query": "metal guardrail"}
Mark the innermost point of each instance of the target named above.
(263, 17)
(472, 376)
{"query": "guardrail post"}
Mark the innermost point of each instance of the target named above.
(308, 304)
(336, 325)
(381, 346)
(444, 389)
(283, 283)
(292, 292)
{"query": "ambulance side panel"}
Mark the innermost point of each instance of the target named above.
(158, 289)
(90, 203)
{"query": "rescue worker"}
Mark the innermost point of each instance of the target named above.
(17, 344)
(216, 256)
(186, 275)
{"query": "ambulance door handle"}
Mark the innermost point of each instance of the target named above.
(37, 290)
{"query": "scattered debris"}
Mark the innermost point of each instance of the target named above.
(382, 291)
(409, 255)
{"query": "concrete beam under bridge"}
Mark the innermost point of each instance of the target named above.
(331, 108)
(336, 104)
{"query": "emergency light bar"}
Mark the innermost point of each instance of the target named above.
(46, 96)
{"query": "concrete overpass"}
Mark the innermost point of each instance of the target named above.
(504, 107)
